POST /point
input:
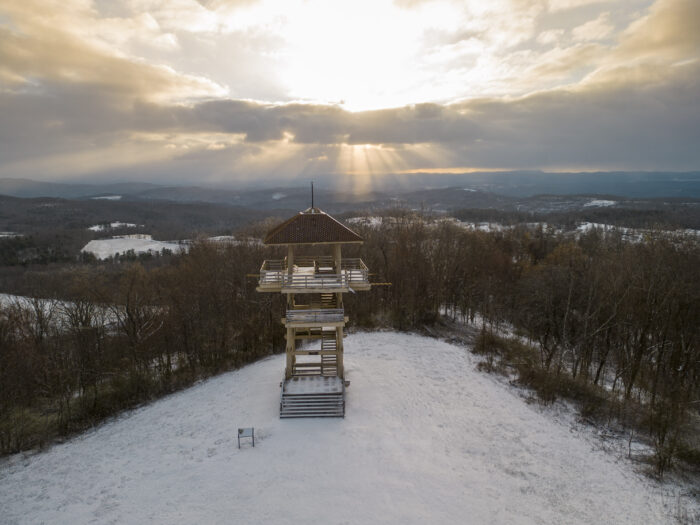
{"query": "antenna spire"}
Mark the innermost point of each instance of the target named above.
(312, 195)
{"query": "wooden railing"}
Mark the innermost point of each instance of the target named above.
(314, 280)
(305, 273)
(355, 270)
(322, 316)
(271, 272)
(310, 260)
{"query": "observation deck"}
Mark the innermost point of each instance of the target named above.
(313, 275)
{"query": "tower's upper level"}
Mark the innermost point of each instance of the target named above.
(316, 273)
(311, 226)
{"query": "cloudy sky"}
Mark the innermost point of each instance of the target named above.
(230, 91)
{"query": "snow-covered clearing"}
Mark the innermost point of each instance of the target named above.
(22, 301)
(636, 234)
(599, 203)
(111, 225)
(370, 222)
(107, 198)
(234, 241)
(106, 248)
(426, 439)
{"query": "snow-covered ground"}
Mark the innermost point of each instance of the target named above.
(23, 301)
(371, 222)
(426, 439)
(107, 198)
(232, 240)
(111, 225)
(599, 203)
(105, 248)
(56, 311)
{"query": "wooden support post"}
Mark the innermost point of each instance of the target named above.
(339, 349)
(290, 259)
(337, 258)
(291, 346)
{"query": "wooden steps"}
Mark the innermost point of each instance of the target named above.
(329, 363)
(323, 362)
(312, 397)
(328, 300)
(319, 405)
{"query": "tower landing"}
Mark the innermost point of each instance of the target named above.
(312, 396)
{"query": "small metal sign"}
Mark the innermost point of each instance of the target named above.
(246, 433)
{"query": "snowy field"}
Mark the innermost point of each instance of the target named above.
(107, 198)
(426, 439)
(599, 203)
(111, 226)
(106, 248)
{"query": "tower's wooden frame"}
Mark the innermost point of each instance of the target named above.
(314, 286)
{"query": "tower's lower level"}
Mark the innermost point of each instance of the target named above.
(314, 384)
(314, 335)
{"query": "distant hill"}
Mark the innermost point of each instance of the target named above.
(331, 191)
(33, 188)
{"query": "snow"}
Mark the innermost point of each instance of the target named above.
(105, 248)
(55, 310)
(371, 222)
(601, 203)
(489, 227)
(230, 239)
(11, 300)
(108, 198)
(112, 225)
(223, 238)
(426, 439)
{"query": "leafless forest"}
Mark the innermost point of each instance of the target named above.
(610, 324)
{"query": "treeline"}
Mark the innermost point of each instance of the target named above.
(613, 322)
(647, 215)
(21, 250)
(122, 334)
(44, 217)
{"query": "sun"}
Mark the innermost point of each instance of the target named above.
(361, 55)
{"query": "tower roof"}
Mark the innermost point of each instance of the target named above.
(311, 226)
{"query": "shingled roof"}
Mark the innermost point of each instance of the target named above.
(311, 226)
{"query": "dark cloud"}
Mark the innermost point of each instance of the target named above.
(651, 125)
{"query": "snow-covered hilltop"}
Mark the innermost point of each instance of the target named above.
(139, 243)
(426, 439)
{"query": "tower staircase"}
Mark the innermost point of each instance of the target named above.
(313, 396)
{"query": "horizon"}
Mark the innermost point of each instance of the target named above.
(513, 184)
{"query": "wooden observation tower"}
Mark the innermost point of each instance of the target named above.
(314, 276)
